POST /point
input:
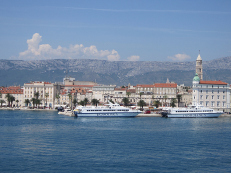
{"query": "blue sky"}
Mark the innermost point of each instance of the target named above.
(134, 30)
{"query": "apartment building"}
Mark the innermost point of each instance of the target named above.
(212, 94)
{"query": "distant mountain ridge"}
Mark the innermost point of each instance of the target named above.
(18, 72)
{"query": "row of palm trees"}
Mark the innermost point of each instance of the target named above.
(35, 100)
(10, 99)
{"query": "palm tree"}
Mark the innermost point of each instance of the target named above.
(17, 102)
(36, 94)
(81, 103)
(46, 95)
(2, 101)
(141, 103)
(173, 103)
(38, 102)
(12, 99)
(85, 101)
(165, 98)
(8, 98)
(178, 96)
(74, 102)
(57, 97)
(70, 99)
(157, 103)
(33, 100)
(27, 101)
(128, 94)
(95, 102)
(125, 101)
(141, 95)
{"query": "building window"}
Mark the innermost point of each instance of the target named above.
(201, 91)
(201, 96)
(223, 91)
(212, 104)
(223, 104)
(212, 97)
(223, 96)
(212, 91)
(207, 104)
(206, 91)
(207, 96)
(218, 91)
(218, 97)
(218, 104)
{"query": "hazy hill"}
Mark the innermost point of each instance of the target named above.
(18, 72)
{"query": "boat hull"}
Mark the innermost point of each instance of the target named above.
(108, 114)
(196, 115)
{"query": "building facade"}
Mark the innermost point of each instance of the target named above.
(212, 94)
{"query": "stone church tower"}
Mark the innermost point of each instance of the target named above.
(199, 69)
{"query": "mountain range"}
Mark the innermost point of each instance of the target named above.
(18, 72)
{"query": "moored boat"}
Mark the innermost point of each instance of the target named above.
(109, 110)
(197, 111)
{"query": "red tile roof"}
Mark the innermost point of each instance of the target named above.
(165, 85)
(145, 85)
(11, 90)
(213, 82)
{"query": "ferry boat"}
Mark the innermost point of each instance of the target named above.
(197, 111)
(109, 110)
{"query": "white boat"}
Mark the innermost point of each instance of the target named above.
(197, 111)
(68, 112)
(109, 110)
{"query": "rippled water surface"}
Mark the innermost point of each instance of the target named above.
(43, 141)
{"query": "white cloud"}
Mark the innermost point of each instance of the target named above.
(134, 58)
(45, 51)
(179, 57)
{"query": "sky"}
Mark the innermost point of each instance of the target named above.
(115, 30)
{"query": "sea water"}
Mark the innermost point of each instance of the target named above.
(43, 141)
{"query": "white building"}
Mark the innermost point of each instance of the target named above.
(103, 93)
(212, 94)
(46, 90)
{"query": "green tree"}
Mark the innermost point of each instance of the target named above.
(0, 95)
(82, 103)
(128, 94)
(70, 100)
(85, 101)
(12, 99)
(173, 101)
(38, 102)
(2, 101)
(141, 103)
(33, 101)
(141, 95)
(125, 101)
(178, 96)
(8, 98)
(46, 95)
(27, 102)
(75, 102)
(95, 102)
(165, 98)
(17, 102)
(36, 94)
(156, 103)
(57, 97)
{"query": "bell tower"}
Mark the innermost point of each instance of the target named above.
(199, 69)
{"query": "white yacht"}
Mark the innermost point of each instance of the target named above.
(68, 112)
(197, 111)
(109, 110)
